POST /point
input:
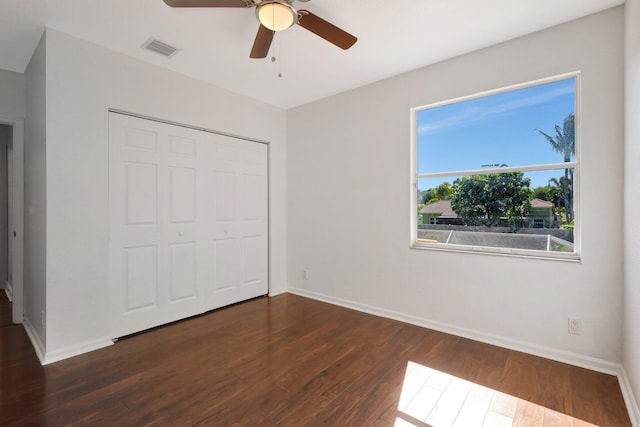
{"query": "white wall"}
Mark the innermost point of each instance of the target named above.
(632, 201)
(35, 196)
(12, 96)
(349, 212)
(83, 82)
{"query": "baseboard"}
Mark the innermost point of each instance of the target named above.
(8, 289)
(278, 291)
(629, 398)
(35, 339)
(75, 350)
(50, 357)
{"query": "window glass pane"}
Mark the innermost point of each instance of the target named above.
(517, 210)
(515, 128)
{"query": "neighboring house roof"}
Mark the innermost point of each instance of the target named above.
(539, 203)
(441, 207)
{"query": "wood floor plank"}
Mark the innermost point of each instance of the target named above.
(475, 408)
(324, 389)
(292, 361)
(528, 414)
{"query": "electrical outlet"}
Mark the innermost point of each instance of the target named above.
(575, 328)
(42, 318)
(305, 274)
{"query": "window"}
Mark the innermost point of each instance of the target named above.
(498, 172)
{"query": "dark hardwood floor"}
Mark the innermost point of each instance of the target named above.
(292, 361)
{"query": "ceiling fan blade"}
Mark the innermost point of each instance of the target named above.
(209, 3)
(325, 29)
(262, 43)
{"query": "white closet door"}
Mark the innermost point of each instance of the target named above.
(164, 261)
(238, 196)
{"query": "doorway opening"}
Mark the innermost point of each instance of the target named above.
(11, 215)
(6, 137)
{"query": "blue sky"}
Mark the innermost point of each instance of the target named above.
(500, 129)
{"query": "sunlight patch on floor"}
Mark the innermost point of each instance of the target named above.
(436, 399)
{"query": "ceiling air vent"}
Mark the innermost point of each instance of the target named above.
(162, 48)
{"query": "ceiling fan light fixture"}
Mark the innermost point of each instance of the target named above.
(276, 16)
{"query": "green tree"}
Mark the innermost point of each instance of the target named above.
(443, 191)
(421, 195)
(553, 192)
(559, 186)
(564, 142)
(427, 196)
(486, 199)
(547, 192)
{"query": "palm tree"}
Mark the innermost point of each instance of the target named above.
(564, 142)
(444, 191)
(559, 188)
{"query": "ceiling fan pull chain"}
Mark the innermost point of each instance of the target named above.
(276, 52)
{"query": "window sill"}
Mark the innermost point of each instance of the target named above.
(513, 253)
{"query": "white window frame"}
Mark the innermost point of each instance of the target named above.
(575, 165)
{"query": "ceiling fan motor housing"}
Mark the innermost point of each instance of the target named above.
(276, 15)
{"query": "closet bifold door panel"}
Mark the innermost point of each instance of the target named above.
(188, 222)
(238, 194)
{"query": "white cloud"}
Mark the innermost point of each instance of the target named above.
(475, 113)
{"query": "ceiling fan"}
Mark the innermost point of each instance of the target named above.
(277, 15)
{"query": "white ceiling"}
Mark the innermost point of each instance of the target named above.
(393, 37)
